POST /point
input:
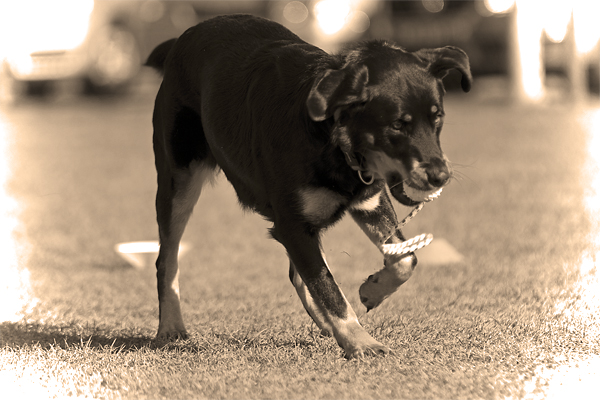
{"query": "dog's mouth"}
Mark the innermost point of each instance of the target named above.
(407, 194)
(393, 171)
(397, 188)
(403, 187)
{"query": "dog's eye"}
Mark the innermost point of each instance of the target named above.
(398, 125)
(402, 123)
(437, 115)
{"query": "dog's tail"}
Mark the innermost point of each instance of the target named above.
(157, 58)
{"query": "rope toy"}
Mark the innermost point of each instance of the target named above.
(419, 241)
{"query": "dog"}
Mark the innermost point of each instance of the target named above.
(304, 137)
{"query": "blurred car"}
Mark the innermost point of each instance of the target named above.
(95, 42)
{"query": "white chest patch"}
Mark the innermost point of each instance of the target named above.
(367, 205)
(319, 204)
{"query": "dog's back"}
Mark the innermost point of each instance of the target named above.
(237, 33)
(243, 69)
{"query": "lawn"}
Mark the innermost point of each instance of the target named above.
(494, 325)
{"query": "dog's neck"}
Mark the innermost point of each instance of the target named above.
(355, 160)
(364, 175)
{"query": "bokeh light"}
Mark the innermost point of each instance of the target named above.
(587, 27)
(433, 6)
(295, 12)
(555, 15)
(499, 6)
(529, 31)
(358, 21)
(152, 11)
(331, 15)
(61, 25)
(183, 15)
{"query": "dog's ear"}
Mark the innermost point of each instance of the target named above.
(441, 60)
(336, 88)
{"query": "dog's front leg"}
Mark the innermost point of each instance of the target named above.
(309, 304)
(374, 213)
(324, 295)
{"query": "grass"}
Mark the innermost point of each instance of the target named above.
(482, 328)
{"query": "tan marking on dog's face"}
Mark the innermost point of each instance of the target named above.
(319, 204)
(418, 173)
(369, 204)
(382, 165)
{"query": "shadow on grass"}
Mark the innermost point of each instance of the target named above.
(246, 339)
(22, 334)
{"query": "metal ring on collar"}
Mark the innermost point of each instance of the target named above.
(369, 182)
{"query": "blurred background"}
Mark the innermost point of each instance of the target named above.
(532, 51)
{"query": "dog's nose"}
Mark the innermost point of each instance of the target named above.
(438, 174)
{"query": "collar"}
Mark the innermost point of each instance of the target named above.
(351, 158)
(363, 174)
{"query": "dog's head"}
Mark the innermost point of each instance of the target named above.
(387, 107)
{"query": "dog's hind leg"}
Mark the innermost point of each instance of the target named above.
(178, 192)
(308, 302)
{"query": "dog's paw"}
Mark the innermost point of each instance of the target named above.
(357, 343)
(326, 333)
(373, 348)
(379, 286)
(173, 335)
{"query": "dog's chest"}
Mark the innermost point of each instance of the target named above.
(319, 205)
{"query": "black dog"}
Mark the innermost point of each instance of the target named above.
(303, 137)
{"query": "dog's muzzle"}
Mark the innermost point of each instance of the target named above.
(438, 173)
(409, 186)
